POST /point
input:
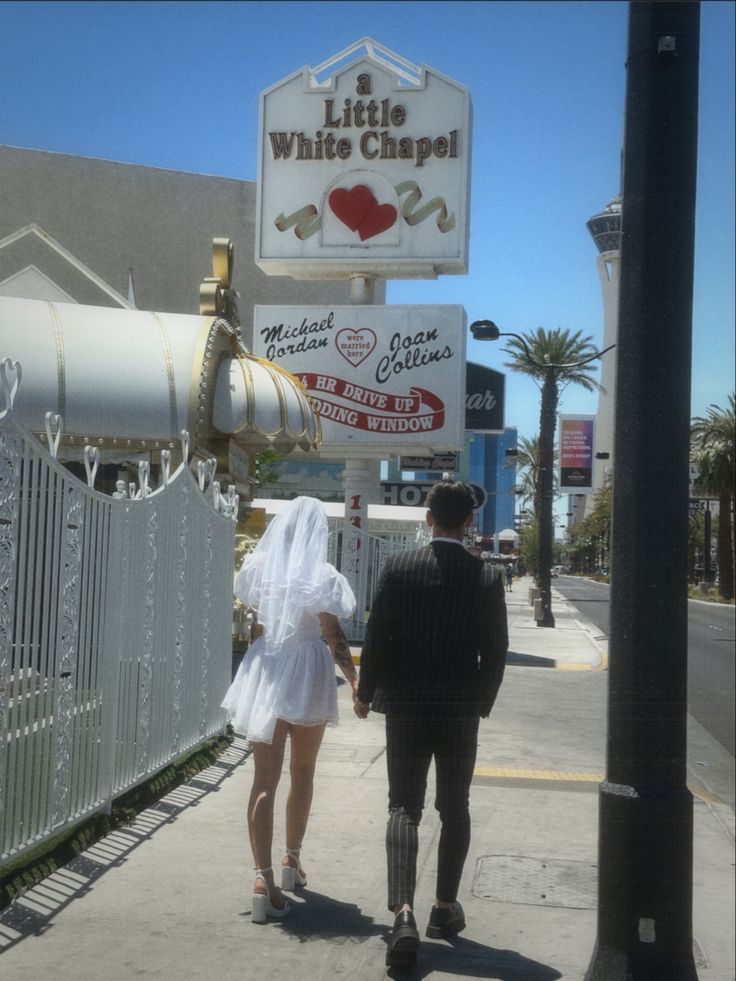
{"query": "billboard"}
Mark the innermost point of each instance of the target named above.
(364, 167)
(576, 453)
(484, 399)
(384, 379)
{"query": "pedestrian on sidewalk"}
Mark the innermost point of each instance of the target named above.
(432, 661)
(285, 686)
(509, 578)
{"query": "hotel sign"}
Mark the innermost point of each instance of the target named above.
(364, 167)
(384, 379)
(414, 494)
(404, 494)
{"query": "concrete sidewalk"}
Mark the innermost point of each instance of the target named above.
(168, 897)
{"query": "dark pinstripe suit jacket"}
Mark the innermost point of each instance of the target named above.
(437, 635)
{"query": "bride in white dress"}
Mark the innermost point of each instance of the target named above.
(285, 685)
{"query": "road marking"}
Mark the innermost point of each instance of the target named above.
(513, 774)
(570, 776)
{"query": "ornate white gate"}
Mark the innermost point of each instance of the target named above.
(115, 628)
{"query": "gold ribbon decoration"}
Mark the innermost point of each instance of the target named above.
(445, 221)
(306, 220)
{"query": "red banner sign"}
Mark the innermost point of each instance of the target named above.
(404, 413)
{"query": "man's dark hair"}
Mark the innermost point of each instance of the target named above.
(451, 502)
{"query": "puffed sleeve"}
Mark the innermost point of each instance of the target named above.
(335, 595)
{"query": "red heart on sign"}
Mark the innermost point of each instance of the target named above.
(351, 206)
(377, 219)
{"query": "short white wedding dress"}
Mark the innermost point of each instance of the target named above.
(297, 682)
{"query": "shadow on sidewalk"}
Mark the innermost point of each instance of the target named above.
(529, 660)
(320, 917)
(32, 912)
(466, 958)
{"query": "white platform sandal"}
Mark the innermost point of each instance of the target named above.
(291, 876)
(262, 908)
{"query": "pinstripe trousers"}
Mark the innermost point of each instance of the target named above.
(411, 744)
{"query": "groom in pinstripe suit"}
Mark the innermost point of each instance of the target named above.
(432, 661)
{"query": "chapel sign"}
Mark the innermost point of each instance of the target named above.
(364, 165)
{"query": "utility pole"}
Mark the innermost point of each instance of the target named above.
(646, 809)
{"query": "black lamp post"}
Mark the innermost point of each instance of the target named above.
(645, 835)
(486, 330)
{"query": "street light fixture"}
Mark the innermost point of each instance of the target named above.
(486, 330)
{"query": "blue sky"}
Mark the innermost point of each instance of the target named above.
(176, 85)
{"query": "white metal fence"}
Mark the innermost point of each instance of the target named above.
(115, 629)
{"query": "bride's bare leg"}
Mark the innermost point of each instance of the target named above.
(268, 760)
(305, 746)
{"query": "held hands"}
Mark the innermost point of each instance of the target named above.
(361, 709)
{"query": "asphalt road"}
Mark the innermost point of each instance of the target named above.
(711, 638)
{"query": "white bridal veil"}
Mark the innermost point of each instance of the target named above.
(288, 573)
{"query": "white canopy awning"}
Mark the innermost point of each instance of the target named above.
(129, 381)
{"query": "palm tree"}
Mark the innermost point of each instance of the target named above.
(528, 461)
(714, 454)
(554, 359)
(555, 347)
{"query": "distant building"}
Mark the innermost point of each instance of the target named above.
(319, 479)
(605, 229)
(489, 466)
(483, 461)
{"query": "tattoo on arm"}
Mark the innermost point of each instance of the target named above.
(342, 653)
(342, 656)
(338, 643)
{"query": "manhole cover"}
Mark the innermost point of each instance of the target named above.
(536, 881)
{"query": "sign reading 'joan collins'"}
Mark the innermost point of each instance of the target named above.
(384, 379)
(364, 167)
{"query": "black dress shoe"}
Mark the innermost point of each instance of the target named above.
(446, 922)
(402, 950)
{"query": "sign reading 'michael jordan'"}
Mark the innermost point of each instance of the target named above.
(384, 379)
(364, 165)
